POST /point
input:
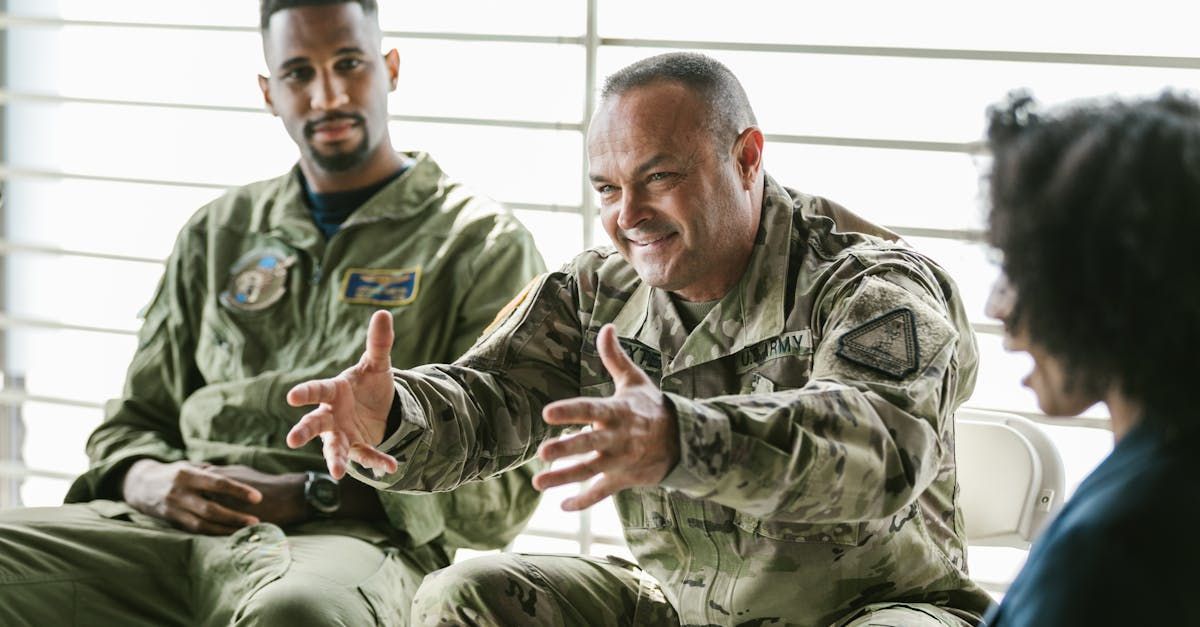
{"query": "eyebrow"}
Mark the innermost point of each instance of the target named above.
(301, 60)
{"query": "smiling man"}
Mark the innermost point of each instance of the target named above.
(194, 511)
(769, 383)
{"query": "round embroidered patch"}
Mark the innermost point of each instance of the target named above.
(257, 281)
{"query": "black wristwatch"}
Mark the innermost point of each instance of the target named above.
(321, 492)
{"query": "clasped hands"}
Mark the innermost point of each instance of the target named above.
(633, 439)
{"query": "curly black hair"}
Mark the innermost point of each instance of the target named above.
(1095, 209)
(267, 8)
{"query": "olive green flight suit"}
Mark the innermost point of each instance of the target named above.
(815, 403)
(253, 300)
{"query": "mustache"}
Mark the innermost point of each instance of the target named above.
(310, 127)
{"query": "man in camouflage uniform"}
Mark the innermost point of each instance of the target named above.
(769, 382)
(193, 511)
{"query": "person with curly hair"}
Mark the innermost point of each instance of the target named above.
(1094, 209)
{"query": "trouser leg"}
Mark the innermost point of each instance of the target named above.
(262, 577)
(103, 563)
(551, 590)
(96, 563)
(902, 615)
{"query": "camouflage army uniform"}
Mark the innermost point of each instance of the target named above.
(816, 481)
(255, 299)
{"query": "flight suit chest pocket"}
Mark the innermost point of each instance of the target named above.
(846, 534)
(779, 363)
(220, 351)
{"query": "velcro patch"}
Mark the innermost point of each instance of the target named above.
(511, 307)
(381, 287)
(644, 357)
(887, 344)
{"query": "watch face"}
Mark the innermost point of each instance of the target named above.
(321, 491)
(325, 492)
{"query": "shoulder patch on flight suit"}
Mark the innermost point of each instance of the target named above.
(887, 344)
(382, 287)
(257, 280)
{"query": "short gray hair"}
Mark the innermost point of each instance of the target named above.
(729, 109)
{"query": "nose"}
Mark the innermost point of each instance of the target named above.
(631, 210)
(1001, 301)
(328, 93)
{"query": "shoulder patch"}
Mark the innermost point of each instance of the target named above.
(511, 307)
(887, 344)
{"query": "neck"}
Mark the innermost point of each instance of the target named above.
(1126, 413)
(383, 163)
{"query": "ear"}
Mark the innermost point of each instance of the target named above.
(392, 61)
(748, 153)
(264, 84)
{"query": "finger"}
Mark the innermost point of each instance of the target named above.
(597, 492)
(310, 426)
(577, 444)
(624, 372)
(312, 392)
(581, 411)
(380, 336)
(195, 524)
(207, 481)
(210, 511)
(336, 450)
(373, 458)
(570, 474)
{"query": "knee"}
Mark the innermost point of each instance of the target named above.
(466, 592)
(288, 605)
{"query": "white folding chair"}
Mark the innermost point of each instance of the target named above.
(1010, 477)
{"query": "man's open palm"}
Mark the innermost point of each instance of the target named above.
(352, 408)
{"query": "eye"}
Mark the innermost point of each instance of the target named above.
(348, 64)
(299, 74)
(606, 190)
(659, 176)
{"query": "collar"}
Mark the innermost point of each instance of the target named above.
(751, 312)
(406, 196)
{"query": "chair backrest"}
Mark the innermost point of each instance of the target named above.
(1010, 477)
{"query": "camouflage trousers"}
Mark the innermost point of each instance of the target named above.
(103, 563)
(573, 591)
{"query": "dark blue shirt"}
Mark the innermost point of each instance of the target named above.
(330, 210)
(1125, 550)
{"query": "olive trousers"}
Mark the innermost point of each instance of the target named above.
(104, 563)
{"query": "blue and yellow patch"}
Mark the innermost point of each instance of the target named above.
(381, 287)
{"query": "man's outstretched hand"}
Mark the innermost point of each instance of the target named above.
(352, 408)
(634, 440)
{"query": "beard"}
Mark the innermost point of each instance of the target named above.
(344, 160)
(341, 161)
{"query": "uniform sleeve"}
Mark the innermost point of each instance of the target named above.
(865, 436)
(489, 514)
(483, 414)
(144, 421)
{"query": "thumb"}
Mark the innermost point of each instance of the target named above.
(380, 336)
(624, 372)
